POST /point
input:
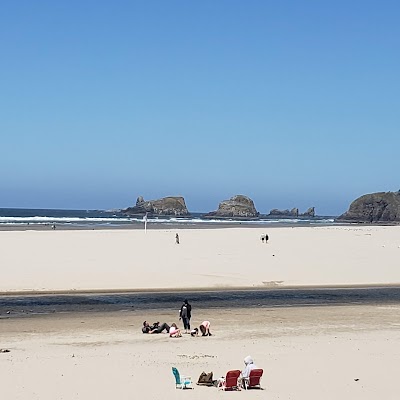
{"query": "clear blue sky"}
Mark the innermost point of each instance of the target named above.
(293, 103)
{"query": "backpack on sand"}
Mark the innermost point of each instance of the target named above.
(206, 379)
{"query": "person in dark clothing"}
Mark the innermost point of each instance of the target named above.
(185, 314)
(155, 328)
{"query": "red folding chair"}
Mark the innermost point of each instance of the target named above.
(230, 381)
(253, 381)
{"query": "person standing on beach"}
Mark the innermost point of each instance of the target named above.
(177, 239)
(185, 314)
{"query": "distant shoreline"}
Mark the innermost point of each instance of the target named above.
(182, 226)
(158, 226)
(22, 293)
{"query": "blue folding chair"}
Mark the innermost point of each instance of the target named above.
(181, 382)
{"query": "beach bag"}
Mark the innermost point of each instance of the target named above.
(206, 379)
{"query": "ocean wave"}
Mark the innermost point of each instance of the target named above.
(60, 219)
(81, 217)
(175, 221)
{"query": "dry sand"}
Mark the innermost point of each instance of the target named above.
(348, 352)
(205, 258)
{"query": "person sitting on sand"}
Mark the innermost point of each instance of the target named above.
(205, 328)
(194, 332)
(155, 328)
(174, 331)
(249, 366)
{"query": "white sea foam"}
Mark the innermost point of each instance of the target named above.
(121, 220)
(35, 220)
(231, 221)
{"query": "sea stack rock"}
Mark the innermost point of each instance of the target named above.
(374, 207)
(294, 212)
(168, 206)
(238, 206)
(309, 213)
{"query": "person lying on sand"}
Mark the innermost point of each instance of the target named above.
(155, 328)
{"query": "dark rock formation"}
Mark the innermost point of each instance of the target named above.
(236, 207)
(309, 213)
(374, 207)
(294, 212)
(166, 206)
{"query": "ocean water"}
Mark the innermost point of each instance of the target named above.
(18, 306)
(82, 218)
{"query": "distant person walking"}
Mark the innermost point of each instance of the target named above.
(177, 239)
(185, 314)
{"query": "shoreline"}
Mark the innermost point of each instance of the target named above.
(13, 306)
(164, 226)
(188, 226)
(213, 289)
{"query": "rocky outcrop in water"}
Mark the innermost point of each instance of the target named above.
(294, 212)
(309, 213)
(169, 206)
(374, 207)
(238, 206)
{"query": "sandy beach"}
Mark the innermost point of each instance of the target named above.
(329, 352)
(306, 353)
(46, 260)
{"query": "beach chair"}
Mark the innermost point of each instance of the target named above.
(230, 381)
(181, 382)
(253, 381)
